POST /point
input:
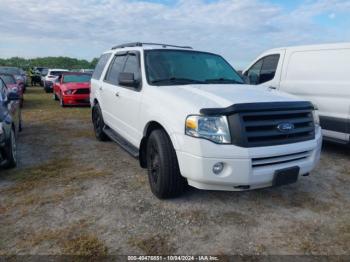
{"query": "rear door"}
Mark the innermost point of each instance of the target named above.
(110, 90)
(97, 79)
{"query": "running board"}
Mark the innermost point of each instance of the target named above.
(121, 141)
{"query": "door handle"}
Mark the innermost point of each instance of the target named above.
(273, 87)
(101, 88)
(117, 94)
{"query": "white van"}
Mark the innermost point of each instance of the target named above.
(318, 73)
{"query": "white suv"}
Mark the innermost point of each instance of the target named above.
(50, 78)
(189, 119)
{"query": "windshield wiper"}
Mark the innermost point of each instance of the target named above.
(222, 80)
(177, 80)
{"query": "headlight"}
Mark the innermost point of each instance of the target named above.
(316, 117)
(213, 128)
(69, 92)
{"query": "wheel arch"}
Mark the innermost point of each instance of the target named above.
(152, 125)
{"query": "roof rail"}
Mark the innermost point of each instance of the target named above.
(142, 44)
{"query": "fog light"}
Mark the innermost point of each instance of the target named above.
(218, 167)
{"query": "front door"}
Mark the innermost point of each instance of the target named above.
(128, 100)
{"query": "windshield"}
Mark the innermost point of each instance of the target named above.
(9, 80)
(76, 78)
(10, 70)
(177, 67)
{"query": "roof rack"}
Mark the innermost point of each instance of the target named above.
(142, 44)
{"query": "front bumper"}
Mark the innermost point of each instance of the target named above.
(82, 99)
(243, 168)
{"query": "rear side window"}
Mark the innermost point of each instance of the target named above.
(100, 66)
(115, 69)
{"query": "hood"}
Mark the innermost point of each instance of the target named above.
(76, 85)
(220, 96)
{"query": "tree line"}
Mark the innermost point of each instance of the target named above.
(49, 62)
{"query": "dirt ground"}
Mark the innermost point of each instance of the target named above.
(74, 195)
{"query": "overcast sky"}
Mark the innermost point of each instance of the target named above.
(239, 30)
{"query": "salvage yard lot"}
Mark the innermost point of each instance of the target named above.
(74, 195)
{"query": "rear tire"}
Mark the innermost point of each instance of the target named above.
(11, 151)
(163, 169)
(99, 124)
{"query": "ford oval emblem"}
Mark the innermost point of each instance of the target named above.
(285, 127)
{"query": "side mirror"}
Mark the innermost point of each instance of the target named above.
(13, 96)
(128, 79)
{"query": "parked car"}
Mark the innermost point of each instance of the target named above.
(72, 89)
(43, 73)
(51, 77)
(18, 73)
(319, 73)
(12, 85)
(10, 125)
(188, 118)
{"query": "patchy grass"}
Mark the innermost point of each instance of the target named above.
(84, 245)
(154, 244)
(72, 240)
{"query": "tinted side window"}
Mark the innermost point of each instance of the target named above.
(100, 66)
(115, 69)
(254, 73)
(132, 65)
(268, 69)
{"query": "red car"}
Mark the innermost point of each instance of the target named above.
(72, 89)
(13, 85)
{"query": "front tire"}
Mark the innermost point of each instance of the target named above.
(97, 120)
(163, 169)
(11, 152)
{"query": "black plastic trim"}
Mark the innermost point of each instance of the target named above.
(253, 107)
(335, 124)
(125, 144)
(139, 44)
